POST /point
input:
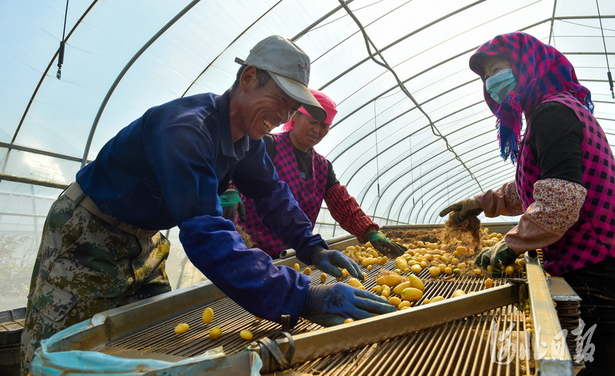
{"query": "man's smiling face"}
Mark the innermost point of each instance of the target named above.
(264, 107)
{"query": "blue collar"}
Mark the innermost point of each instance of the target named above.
(235, 150)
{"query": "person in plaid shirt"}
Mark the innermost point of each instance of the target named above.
(564, 184)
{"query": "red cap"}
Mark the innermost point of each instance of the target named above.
(326, 103)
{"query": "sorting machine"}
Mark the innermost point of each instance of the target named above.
(523, 325)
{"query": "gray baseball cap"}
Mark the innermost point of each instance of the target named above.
(289, 67)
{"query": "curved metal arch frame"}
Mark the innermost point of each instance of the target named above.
(179, 15)
(381, 172)
(126, 68)
(367, 187)
(410, 194)
(439, 199)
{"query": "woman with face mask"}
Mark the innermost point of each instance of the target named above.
(311, 179)
(564, 183)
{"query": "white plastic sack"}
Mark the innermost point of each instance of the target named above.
(92, 363)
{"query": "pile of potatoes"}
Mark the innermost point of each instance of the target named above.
(442, 260)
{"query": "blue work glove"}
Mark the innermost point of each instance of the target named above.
(330, 262)
(329, 305)
(384, 244)
(498, 256)
(232, 206)
(465, 208)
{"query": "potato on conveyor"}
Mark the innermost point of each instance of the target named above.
(411, 294)
(215, 333)
(208, 315)
(246, 334)
(416, 282)
(181, 328)
(390, 280)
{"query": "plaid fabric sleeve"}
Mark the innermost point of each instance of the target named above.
(555, 210)
(346, 211)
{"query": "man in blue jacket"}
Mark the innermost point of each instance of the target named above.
(101, 246)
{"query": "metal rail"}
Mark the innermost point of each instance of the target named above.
(549, 342)
(327, 341)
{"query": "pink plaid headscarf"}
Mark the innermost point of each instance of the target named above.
(539, 69)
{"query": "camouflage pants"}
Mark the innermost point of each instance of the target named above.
(85, 266)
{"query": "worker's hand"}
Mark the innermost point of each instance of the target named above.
(329, 305)
(466, 207)
(384, 244)
(498, 256)
(232, 205)
(330, 262)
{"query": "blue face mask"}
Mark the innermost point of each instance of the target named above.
(500, 84)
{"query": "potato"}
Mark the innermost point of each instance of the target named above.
(246, 334)
(394, 301)
(215, 333)
(182, 328)
(403, 304)
(355, 283)
(411, 294)
(399, 288)
(520, 262)
(208, 315)
(323, 278)
(462, 250)
(296, 267)
(401, 263)
(458, 292)
(368, 261)
(437, 298)
(389, 280)
(348, 320)
(416, 268)
(386, 291)
(434, 271)
(307, 271)
(510, 270)
(488, 283)
(416, 282)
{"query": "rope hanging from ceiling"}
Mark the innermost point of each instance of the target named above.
(62, 45)
(606, 55)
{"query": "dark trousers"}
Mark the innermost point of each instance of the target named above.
(595, 285)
